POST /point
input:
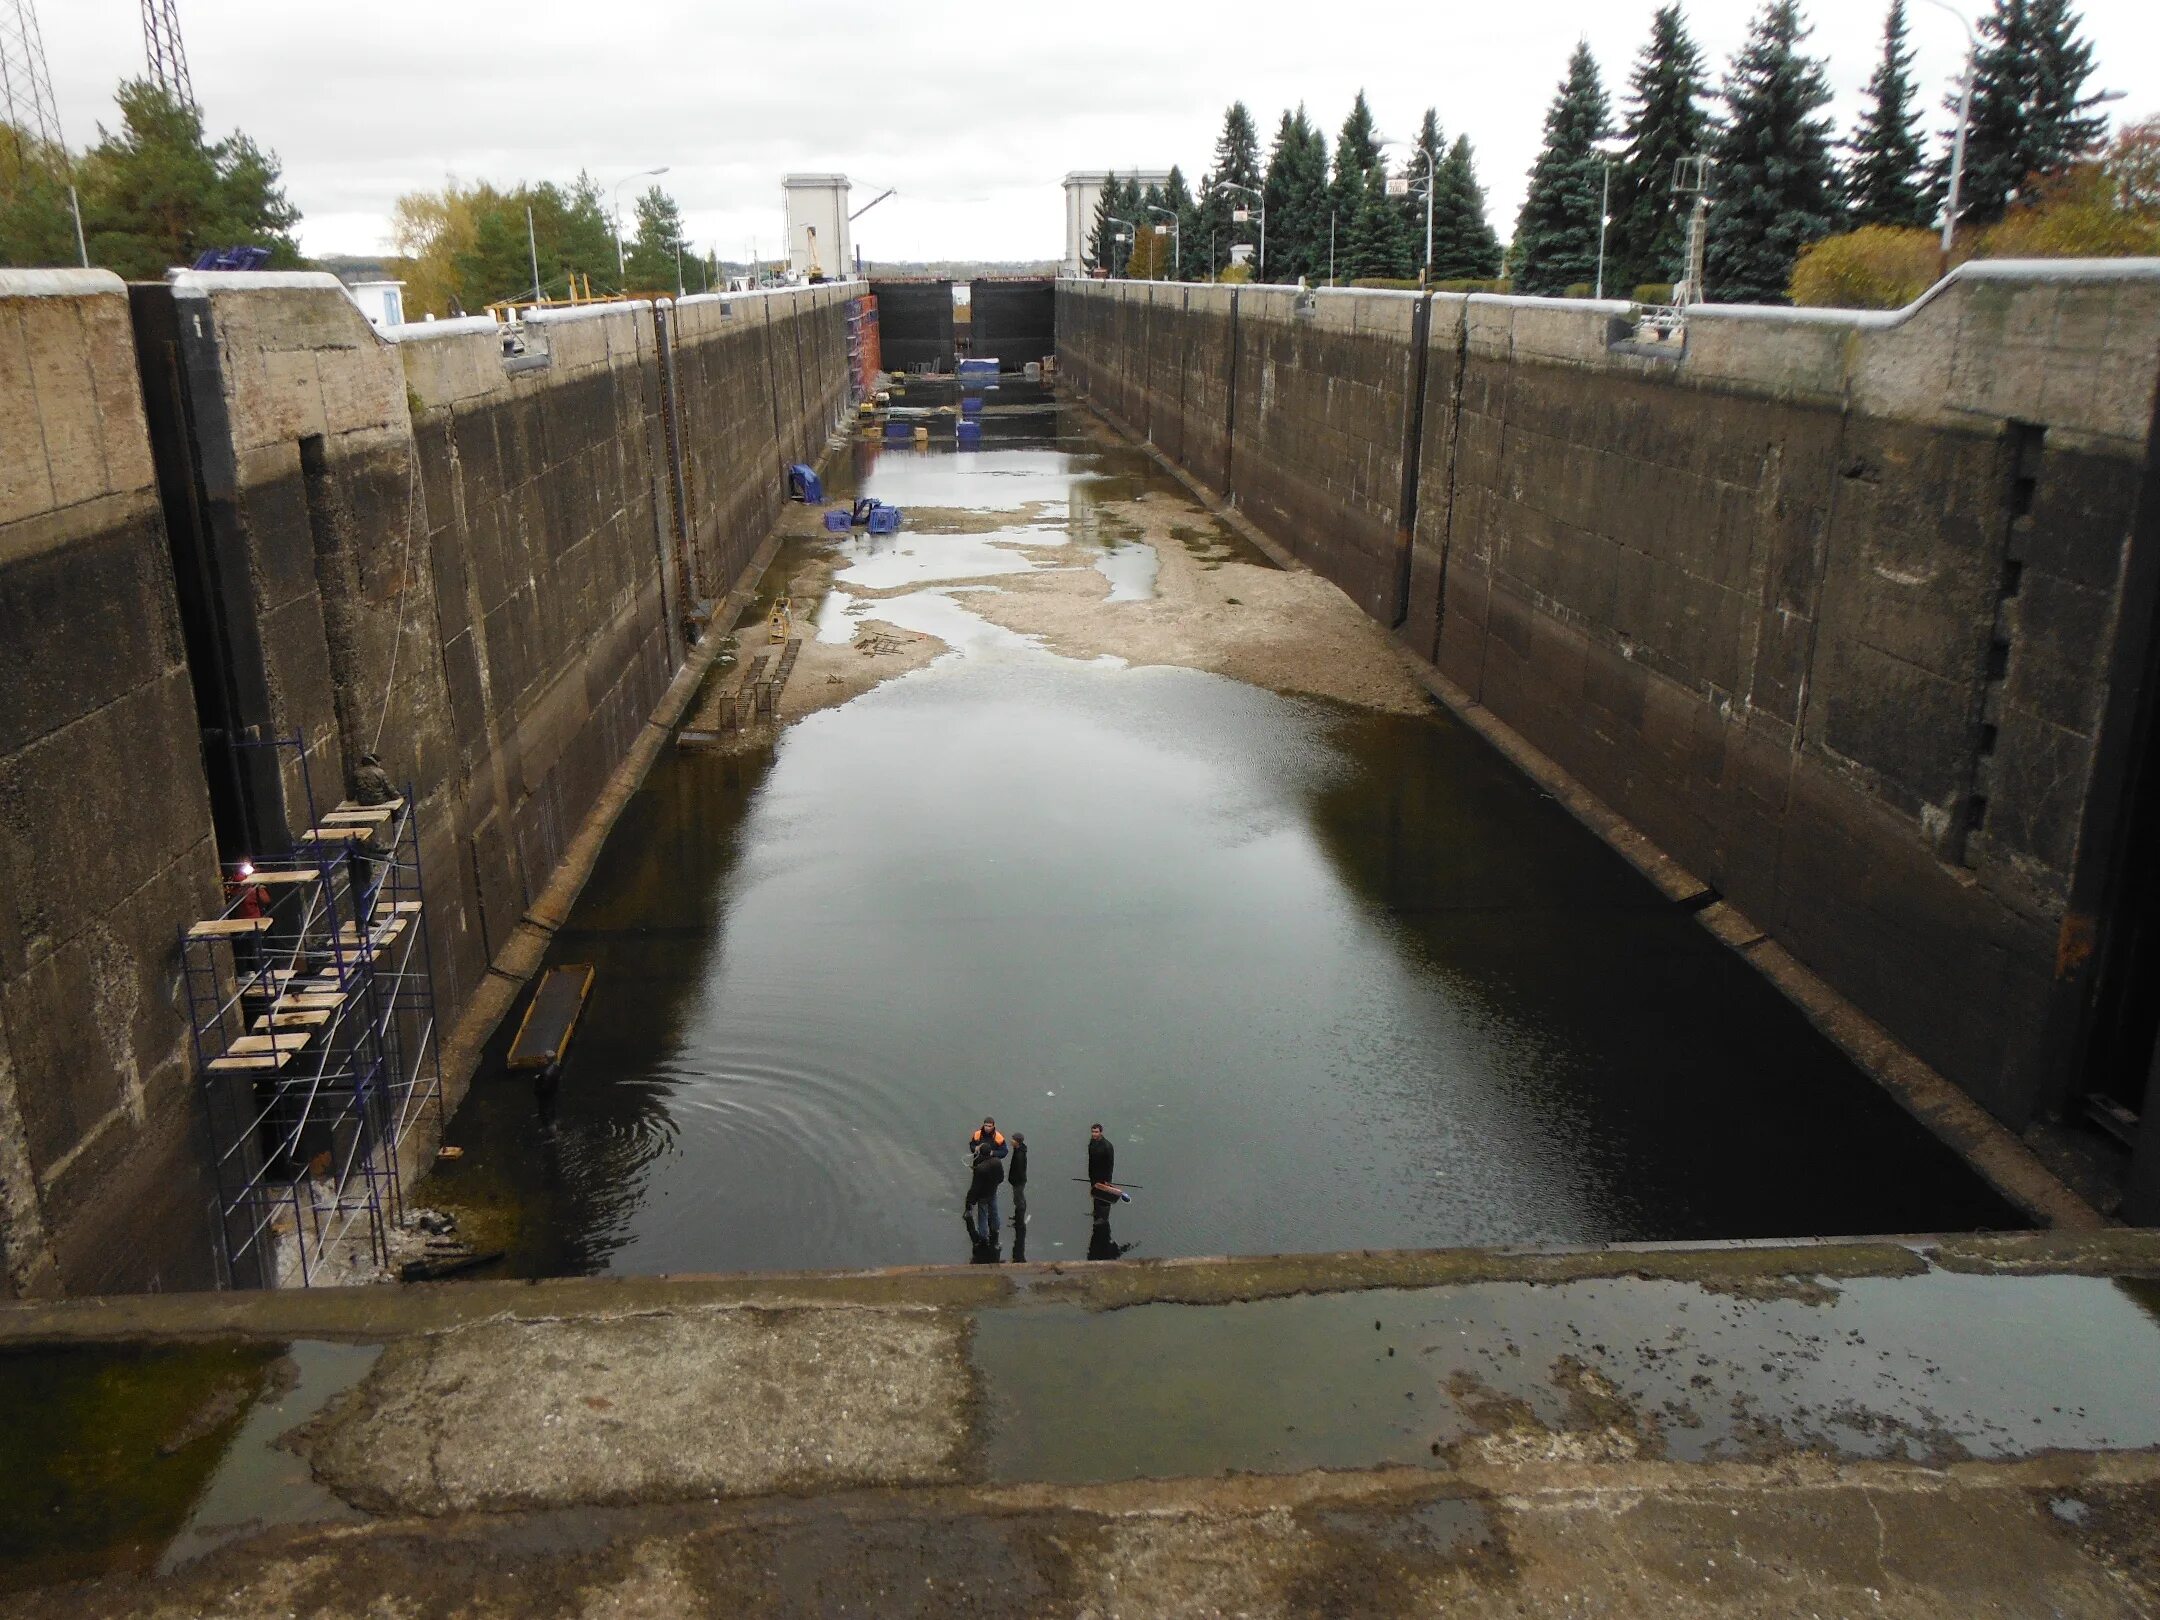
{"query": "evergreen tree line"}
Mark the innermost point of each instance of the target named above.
(1308, 212)
(1781, 178)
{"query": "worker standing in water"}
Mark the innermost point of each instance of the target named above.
(986, 1171)
(1102, 1172)
(1102, 1158)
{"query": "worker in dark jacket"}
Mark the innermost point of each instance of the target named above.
(1102, 1172)
(981, 1208)
(371, 784)
(1102, 1157)
(1016, 1174)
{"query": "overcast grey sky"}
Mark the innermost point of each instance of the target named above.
(974, 111)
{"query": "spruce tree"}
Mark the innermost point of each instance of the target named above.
(1357, 153)
(1297, 200)
(1102, 235)
(1556, 237)
(1776, 183)
(1465, 247)
(1237, 163)
(1885, 183)
(1372, 246)
(2031, 113)
(1666, 121)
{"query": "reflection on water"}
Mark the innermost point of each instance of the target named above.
(1330, 979)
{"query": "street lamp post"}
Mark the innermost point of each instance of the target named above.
(1261, 210)
(621, 268)
(1177, 239)
(1424, 274)
(1132, 229)
(1957, 142)
(1606, 150)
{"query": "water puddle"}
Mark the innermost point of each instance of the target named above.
(1130, 567)
(1926, 1367)
(140, 1457)
(915, 557)
(258, 1483)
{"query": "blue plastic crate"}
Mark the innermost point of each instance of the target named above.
(884, 519)
(803, 484)
(838, 520)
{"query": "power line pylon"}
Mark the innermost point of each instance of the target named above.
(161, 45)
(26, 97)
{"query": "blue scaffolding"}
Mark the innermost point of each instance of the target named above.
(312, 1000)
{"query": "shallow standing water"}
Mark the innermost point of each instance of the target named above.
(1330, 979)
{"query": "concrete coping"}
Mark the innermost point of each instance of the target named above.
(567, 313)
(255, 281)
(379, 1314)
(456, 326)
(2059, 272)
(59, 283)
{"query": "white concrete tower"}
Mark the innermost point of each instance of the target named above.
(817, 226)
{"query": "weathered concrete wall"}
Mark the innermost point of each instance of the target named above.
(480, 565)
(105, 839)
(1822, 603)
(491, 575)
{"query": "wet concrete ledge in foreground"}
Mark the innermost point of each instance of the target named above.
(1652, 1429)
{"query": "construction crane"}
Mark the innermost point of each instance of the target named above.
(27, 106)
(161, 46)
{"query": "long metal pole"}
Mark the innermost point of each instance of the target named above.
(75, 205)
(1957, 156)
(1331, 247)
(1430, 186)
(1604, 218)
(1957, 143)
(532, 246)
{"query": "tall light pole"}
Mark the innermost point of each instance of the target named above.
(1957, 141)
(1177, 239)
(621, 269)
(1132, 230)
(1261, 210)
(1606, 150)
(1425, 272)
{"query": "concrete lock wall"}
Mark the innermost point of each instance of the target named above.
(483, 565)
(105, 836)
(1824, 603)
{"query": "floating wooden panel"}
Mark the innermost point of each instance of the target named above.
(551, 1017)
